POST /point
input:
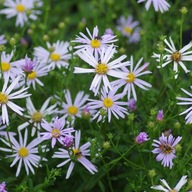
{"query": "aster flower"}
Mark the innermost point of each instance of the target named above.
(3, 187)
(36, 116)
(177, 188)
(28, 65)
(159, 5)
(141, 138)
(94, 42)
(132, 104)
(2, 39)
(110, 103)
(57, 54)
(132, 78)
(174, 56)
(73, 109)
(8, 68)
(55, 131)
(76, 154)
(23, 153)
(186, 101)
(102, 67)
(23, 10)
(165, 148)
(129, 28)
(6, 96)
(160, 115)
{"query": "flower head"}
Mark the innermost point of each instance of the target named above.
(177, 188)
(2, 39)
(159, 5)
(132, 104)
(3, 187)
(175, 56)
(141, 138)
(28, 65)
(165, 148)
(76, 153)
(160, 115)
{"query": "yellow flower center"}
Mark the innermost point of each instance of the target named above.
(32, 75)
(101, 68)
(95, 43)
(72, 110)
(167, 149)
(3, 98)
(37, 116)
(130, 77)
(107, 102)
(5, 66)
(55, 57)
(128, 30)
(176, 56)
(20, 8)
(55, 132)
(23, 152)
(77, 153)
(172, 190)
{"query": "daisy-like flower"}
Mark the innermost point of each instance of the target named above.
(165, 148)
(23, 153)
(57, 54)
(3, 187)
(36, 116)
(159, 5)
(76, 153)
(102, 67)
(6, 96)
(133, 78)
(23, 10)
(141, 138)
(110, 103)
(8, 68)
(174, 56)
(56, 131)
(129, 28)
(94, 42)
(186, 101)
(73, 109)
(2, 39)
(167, 188)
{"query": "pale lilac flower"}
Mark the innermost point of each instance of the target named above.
(141, 138)
(186, 101)
(165, 148)
(56, 55)
(55, 131)
(102, 67)
(2, 39)
(28, 65)
(159, 5)
(167, 188)
(132, 104)
(129, 28)
(133, 78)
(68, 141)
(94, 42)
(6, 96)
(76, 153)
(9, 68)
(160, 115)
(110, 103)
(175, 56)
(3, 187)
(23, 152)
(23, 10)
(109, 31)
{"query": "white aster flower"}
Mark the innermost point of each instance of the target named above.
(56, 55)
(76, 153)
(2, 39)
(102, 67)
(186, 101)
(129, 28)
(36, 116)
(94, 42)
(6, 96)
(110, 104)
(167, 188)
(174, 56)
(23, 153)
(159, 5)
(23, 10)
(133, 78)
